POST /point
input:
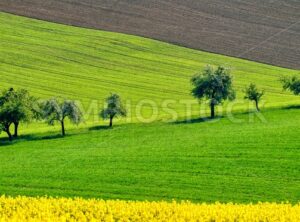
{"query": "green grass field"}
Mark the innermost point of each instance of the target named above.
(246, 161)
(198, 161)
(57, 60)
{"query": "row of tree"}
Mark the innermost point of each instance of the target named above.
(18, 106)
(214, 85)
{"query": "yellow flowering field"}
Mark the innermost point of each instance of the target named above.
(64, 209)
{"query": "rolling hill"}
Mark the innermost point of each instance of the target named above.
(243, 159)
(265, 31)
(249, 161)
(57, 60)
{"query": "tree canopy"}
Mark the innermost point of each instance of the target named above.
(16, 106)
(252, 93)
(292, 84)
(114, 108)
(55, 110)
(214, 85)
(6, 118)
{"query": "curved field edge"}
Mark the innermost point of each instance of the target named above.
(265, 31)
(245, 160)
(57, 60)
(63, 209)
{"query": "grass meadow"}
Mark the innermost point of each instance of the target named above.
(56, 60)
(246, 159)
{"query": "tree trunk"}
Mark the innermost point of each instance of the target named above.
(256, 104)
(16, 129)
(111, 121)
(9, 135)
(6, 129)
(63, 128)
(212, 110)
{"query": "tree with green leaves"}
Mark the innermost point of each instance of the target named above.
(253, 94)
(57, 111)
(6, 119)
(214, 85)
(292, 84)
(114, 109)
(21, 106)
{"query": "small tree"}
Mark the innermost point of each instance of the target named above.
(21, 106)
(292, 84)
(253, 94)
(54, 110)
(114, 108)
(214, 85)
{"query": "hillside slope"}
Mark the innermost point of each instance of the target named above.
(201, 161)
(265, 31)
(58, 60)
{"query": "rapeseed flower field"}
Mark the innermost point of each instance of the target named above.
(78, 209)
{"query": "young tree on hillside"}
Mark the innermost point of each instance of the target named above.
(114, 108)
(55, 110)
(214, 85)
(21, 106)
(253, 94)
(292, 84)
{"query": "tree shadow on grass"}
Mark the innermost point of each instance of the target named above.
(5, 142)
(198, 120)
(292, 107)
(36, 137)
(30, 137)
(95, 128)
